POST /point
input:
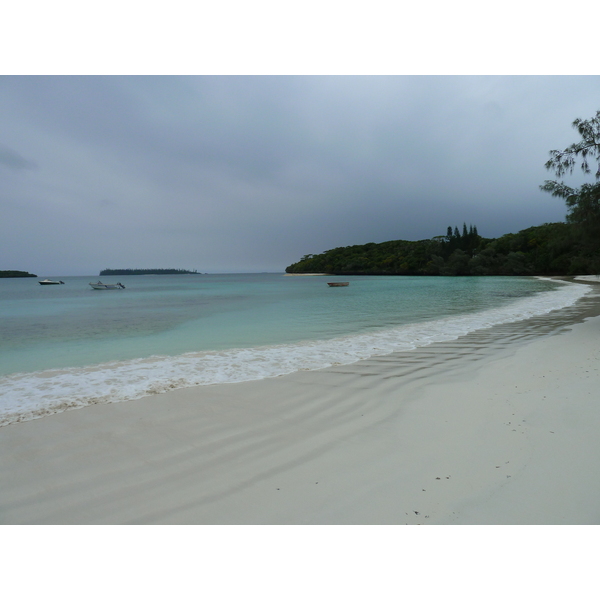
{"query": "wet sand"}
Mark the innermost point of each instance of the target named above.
(497, 427)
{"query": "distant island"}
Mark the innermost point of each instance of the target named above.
(16, 274)
(147, 272)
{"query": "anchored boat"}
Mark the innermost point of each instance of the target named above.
(50, 282)
(107, 286)
(338, 283)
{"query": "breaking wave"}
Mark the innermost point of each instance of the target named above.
(26, 396)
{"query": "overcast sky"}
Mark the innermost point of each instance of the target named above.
(249, 173)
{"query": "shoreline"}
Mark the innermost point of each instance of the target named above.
(496, 427)
(28, 396)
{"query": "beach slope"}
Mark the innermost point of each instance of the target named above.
(497, 427)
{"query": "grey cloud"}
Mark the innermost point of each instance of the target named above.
(250, 173)
(13, 160)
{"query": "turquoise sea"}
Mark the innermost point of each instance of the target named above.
(68, 345)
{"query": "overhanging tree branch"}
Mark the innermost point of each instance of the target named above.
(583, 202)
(564, 161)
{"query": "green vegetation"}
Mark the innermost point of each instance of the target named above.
(16, 274)
(583, 203)
(569, 248)
(550, 249)
(147, 272)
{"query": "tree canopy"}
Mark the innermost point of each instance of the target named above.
(583, 202)
(549, 249)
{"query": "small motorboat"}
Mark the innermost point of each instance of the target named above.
(107, 286)
(338, 283)
(50, 282)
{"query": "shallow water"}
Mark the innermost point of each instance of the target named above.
(68, 345)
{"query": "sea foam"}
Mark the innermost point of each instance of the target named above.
(26, 396)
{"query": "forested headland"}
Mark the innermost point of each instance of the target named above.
(549, 249)
(569, 248)
(16, 274)
(147, 272)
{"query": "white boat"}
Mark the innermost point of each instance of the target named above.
(107, 286)
(50, 282)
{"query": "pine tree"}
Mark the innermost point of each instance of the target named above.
(584, 202)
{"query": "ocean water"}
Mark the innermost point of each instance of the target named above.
(67, 346)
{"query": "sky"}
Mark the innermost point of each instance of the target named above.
(245, 173)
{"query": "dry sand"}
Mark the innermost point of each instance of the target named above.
(498, 427)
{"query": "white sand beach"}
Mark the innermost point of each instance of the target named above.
(497, 427)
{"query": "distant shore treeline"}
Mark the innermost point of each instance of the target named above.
(549, 249)
(147, 272)
(16, 274)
